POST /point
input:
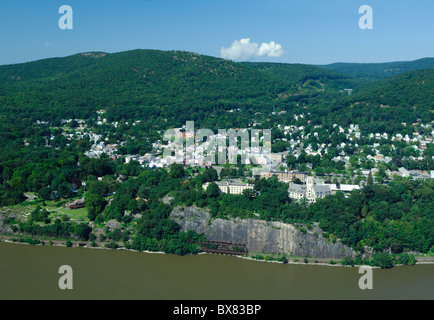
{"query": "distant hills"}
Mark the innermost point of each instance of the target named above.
(168, 88)
(413, 89)
(375, 71)
(306, 77)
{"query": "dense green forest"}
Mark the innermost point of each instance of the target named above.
(414, 89)
(398, 217)
(306, 77)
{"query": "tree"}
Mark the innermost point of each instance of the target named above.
(354, 161)
(233, 173)
(132, 205)
(83, 231)
(249, 193)
(45, 193)
(283, 259)
(224, 173)
(382, 260)
(176, 170)
(396, 247)
(296, 180)
(319, 171)
(210, 175)
(212, 191)
(347, 261)
(39, 214)
(291, 161)
(73, 124)
(302, 167)
(65, 190)
(95, 204)
(370, 180)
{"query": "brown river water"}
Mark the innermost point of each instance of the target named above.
(32, 272)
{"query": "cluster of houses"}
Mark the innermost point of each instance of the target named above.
(193, 155)
(98, 148)
(301, 185)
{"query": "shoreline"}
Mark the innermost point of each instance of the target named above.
(337, 264)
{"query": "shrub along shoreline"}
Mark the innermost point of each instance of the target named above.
(382, 260)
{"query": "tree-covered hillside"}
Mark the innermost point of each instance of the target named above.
(167, 88)
(412, 89)
(374, 71)
(406, 97)
(173, 85)
(307, 76)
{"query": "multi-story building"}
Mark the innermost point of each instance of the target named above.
(310, 191)
(230, 186)
(285, 176)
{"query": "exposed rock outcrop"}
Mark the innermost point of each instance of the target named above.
(259, 235)
(5, 228)
(113, 224)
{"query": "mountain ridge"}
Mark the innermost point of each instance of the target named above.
(168, 88)
(380, 70)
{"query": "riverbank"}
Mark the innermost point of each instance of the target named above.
(293, 260)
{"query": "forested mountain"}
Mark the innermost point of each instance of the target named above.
(410, 90)
(373, 71)
(172, 85)
(306, 76)
(167, 88)
(382, 105)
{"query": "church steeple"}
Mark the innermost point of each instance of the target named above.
(309, 181)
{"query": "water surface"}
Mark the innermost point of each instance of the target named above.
(31, 272)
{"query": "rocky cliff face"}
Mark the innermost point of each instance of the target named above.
(259, 235)
(4, 228)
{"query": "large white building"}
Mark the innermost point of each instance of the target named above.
(345, 188)
(230, 186)
(310, 191)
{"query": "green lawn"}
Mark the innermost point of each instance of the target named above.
(56, 211)
(76, 214)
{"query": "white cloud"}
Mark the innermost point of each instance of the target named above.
(240, 50)
(271, 49)
(244, 49)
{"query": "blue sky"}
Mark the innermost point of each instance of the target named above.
(308, 31)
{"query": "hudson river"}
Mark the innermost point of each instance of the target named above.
(31, 272)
